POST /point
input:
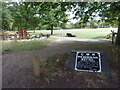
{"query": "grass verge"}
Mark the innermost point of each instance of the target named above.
(98, 33)
(25, 45)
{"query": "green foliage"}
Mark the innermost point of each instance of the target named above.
(108, 11)
(111, 11)
(7, 19)
(34, 15)
(93, 24)
(24, 15)
(80, 25)
(53, 16)
(70, 26)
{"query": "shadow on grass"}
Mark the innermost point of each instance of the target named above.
(99, 37)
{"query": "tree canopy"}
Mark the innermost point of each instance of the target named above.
(32, 15)
(107, 11)
(7, 19)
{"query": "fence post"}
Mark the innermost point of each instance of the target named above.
(36, 66)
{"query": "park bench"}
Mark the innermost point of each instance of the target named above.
(113, 35)
(40, 35)
(71, 35)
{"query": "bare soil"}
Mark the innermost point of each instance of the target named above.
(17, 71)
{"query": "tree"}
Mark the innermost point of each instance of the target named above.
(7, 19)
(52, 15)
(93, 23)
(30, 15)
(14, 8)
(79, 25)
(24, 14)
(111, 14)
(108, 11)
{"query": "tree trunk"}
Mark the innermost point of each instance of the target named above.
(26, 25)
(34, 31)
(118, 35)
(18, 29)
(12, 29)
(51, 29)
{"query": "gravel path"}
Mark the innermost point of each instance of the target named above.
(84, 40)
(17, 66)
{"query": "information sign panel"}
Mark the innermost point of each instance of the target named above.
(88, 61)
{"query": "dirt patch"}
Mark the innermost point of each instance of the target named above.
(18, 72)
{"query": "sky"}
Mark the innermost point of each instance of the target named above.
(70, 16)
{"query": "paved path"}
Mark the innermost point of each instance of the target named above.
(84, 40)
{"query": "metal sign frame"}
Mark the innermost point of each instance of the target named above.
(103, 60)
(88, 53)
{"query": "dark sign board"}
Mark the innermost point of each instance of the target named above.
(89, 61)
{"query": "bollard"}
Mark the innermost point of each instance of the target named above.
(36, 66)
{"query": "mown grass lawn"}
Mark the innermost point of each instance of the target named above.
(99, 33)
(25, 45)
